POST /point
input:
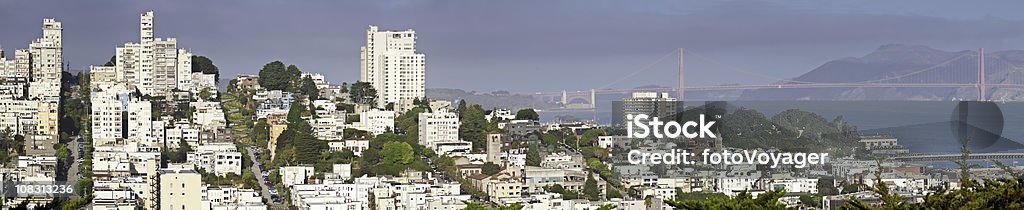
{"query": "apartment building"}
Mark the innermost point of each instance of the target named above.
(180, 189)
(376, 121)
(154, 66)
(390, 63)
(219, 158)
(441, 126)
(231, 198)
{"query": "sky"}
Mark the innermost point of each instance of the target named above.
(532, 45)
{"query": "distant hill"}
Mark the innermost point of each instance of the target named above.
(496, 99)
(936, 138)
(895, 63)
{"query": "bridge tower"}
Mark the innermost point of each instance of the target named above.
(565, 98)
(593, 98)
(981, 75)
(680, 88)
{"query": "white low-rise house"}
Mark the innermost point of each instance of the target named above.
(12, 87)
(181, 131)
(201, 82)
(230, 198)
(376, 121)
(500, 114)
(809, 186)
(209, 115)
(518, 160)
(218, 158)
(333, 194)
(272, 102)
(318, 79)
(554, 201)
(324, 107)
(295, 175)
(19, 116)
(356, 145)
(657, 192)
(453, 148)
(114, 199)
(329, 127)
(609, 142)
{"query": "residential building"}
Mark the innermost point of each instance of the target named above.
(439, 127)
(652, 104)
(231, 198)
(377, 121)
(500, 115)
(295, 175)
(208, 115)
(154, 66)
(47, 62)
(220, 158)
(390, 63)
(180, 189)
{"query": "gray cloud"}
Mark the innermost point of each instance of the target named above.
(512, 45)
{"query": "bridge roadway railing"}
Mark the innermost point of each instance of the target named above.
(950, 157)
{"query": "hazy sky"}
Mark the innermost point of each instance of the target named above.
(527, 46)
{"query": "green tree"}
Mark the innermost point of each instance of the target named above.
(294, 76)
(533, 157)
(205, 65)
(112, 61)
(590, 189)
(527, 114)
(308, 88)
(363, 93)
(606, 207)
(296, 111)
(826, 187)
(261, 132)
(397, 152)
(490, 168)
(475, 127)
(273, 76)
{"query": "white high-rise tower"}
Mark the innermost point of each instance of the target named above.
(154, 66)
(390, 63)
(47, 62)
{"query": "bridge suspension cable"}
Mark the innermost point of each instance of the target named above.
(645, 68)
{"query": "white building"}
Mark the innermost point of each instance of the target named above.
(318, 79)
(180, 189)
(501, 114)
(376, 121)
(181, 131)
(154, 66)
(230, 198)
(218, 158)
(356, 145)
(390, 63)
(35, 74)
(47, 62)
(441, 126)
(330, 127)
(209, 115)
(114, 110)
(295, 175)
(19, 116)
